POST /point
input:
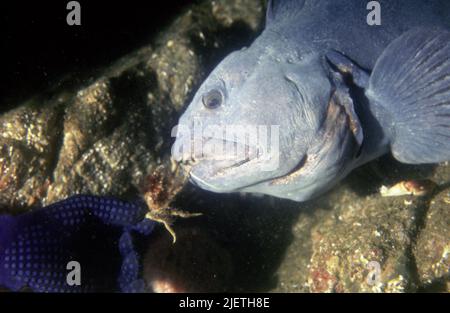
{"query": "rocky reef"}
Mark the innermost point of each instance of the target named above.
(109, 134)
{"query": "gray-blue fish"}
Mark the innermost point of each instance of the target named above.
(342, 92)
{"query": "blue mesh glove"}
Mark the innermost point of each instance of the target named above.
(97, 232)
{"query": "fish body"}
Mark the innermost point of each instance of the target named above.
(340, 92)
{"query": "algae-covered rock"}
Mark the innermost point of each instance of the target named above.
(432, 250)
(365, 246)
(28, 151)
(355, 240)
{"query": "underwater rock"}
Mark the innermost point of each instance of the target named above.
(106, 135)
(365, 246)
(432, 251)
(28, 151)
(339, 236)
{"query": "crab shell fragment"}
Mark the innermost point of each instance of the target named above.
(418, 188)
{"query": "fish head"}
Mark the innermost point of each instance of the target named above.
(252, 120)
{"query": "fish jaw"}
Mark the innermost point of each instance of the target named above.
(211, 162)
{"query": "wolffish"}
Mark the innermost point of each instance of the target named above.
(341, 91)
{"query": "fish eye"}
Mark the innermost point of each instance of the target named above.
(212, 99)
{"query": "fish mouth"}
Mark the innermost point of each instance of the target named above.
(234, 166)
(206, 173)
(202, 178)
(218, 157)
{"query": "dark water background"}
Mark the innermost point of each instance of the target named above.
(38, 46)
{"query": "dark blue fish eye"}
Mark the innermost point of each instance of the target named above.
(212, 99)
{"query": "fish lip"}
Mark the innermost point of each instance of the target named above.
(222, 170)
(205, 180)
(201, 182)
(205, 168)
(251, 152)
(198, 181)
(234, 166)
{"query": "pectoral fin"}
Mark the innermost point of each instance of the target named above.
(409, 91)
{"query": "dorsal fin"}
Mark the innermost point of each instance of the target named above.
(282, 9)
